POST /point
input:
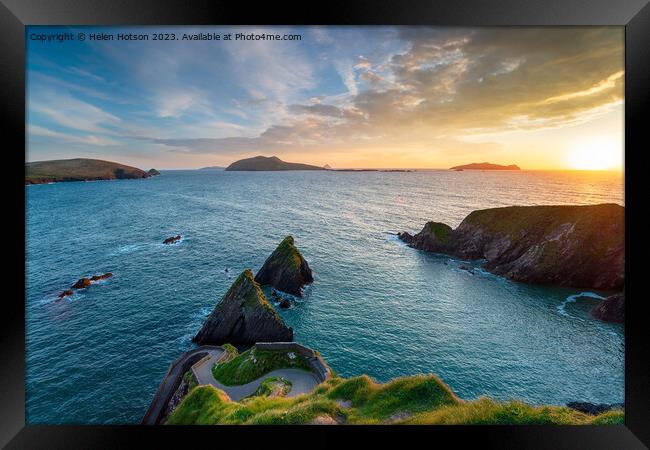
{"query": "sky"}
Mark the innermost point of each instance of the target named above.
(349, 97)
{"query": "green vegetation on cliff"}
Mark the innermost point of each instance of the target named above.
(580, 246)
(244, 316)
(79, 169)
(273, 386)
(408, 400)
(254, 363)
(285, 269)
(441, 231)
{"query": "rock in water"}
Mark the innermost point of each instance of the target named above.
(612, 309)
(244, 316)
(101, 277)
(172, 240)
(65, 293)
(286, 269)
(82, 283)
(577, 246)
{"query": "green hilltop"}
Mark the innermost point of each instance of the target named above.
(418, 399)
(80, 169)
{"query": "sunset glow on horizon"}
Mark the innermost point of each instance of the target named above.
(350, 97)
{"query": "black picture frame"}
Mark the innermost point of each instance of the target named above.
(634, 15)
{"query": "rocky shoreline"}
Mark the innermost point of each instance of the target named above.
(572, 246)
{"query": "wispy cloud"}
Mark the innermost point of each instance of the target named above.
(339, 88)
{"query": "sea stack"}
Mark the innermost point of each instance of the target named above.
(565, 245)
(244, 316)
(286, 269)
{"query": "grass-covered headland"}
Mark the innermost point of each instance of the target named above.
(416, 399)
(254, 363)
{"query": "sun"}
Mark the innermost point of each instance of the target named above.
(602, 153)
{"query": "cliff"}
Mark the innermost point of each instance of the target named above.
(485, 166)
(576, 246)
(285, 269)
(79, 169)
(418, 399)
(263, 163)
(244, 316)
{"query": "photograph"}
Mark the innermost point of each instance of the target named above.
(325, 225)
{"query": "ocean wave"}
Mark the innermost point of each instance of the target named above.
(561, 308)
(392, 237)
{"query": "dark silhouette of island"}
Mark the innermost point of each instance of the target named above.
(211, 168)
(485, 166)
(80, 169)
(264, 163)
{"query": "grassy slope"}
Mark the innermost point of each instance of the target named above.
(254, 296)
(79, 169)
(408, 400)
(442, 231)
(516, 220)
(286, 254)
(254, 363)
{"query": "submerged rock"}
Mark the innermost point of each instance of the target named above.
(612, 309)
(285, 303)
(172, 240)
(577, 246)
(286, 269)
(244, 316)
(65, 293)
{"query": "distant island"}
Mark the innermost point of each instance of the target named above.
(271, 163)
(81, 169)
(211, 168)
(485, 166)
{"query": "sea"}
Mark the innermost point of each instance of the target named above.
(376, 306)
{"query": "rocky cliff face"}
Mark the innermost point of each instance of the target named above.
(577, 246)
(612, 309)
(286, 269)
(243, 317)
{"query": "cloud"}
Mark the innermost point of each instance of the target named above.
(317, 109)
(34, 130)
(175, 103)
(72, 113)
(407, 87)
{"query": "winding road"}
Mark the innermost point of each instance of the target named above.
(302, 381)
(200, 360)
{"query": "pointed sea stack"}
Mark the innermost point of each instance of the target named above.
(244, 316)
(286, 269)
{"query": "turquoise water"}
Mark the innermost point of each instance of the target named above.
(376, 306)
